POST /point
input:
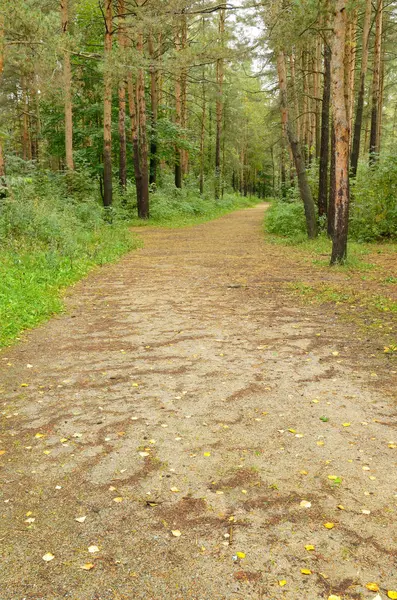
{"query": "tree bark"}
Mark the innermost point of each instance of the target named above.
(341, 124)
(361, 91)
(178, 119)
(219, 104)
(374, 138)
(2, 161)
(299, 160)
(134, 137)
(122, 102)
(154, 112)
(324, 150)
(202, 135)
(143, 207)
(184, 118)
(107, 110)
(67, 83)
(332, 185)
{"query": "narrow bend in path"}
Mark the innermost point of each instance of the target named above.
(183, 392)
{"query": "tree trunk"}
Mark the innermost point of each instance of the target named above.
(184, 118)
(304, 188)
(374, 139)
(122, 103)
(143, 208)
(324, 151)
(135, 140)
(219, 104)
(202, 136)
(107, 110)
(361, 91)
(154, 112)
(332, 185)
(67, 87)
(178, 119)
(2, 162)
(341, 124)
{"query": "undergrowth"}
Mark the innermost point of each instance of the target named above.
(54, 230)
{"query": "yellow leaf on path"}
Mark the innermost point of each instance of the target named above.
(47, 452)
(373, 587)
(345, 424)
(329, 525)
(292, 430)
(176, 533)
(29, 513)
(305, 504)
(39, 435)
(24, 385)
(93, 549)
(143, 454)
(80, 519)
(306, 572)
(2, 452)
(244, 492)
(333, 477)
(392, 445)
(334, 597)
(63, 440)
(309, 547)
(282, 582)
(207, 453)
(118, 499)
(174, 489)
(320, 443)
(303, 472)
(87, 566)
(240, 554)
(47, 557)
(341, 507)
(392, 594)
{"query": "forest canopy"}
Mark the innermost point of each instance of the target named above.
(123, 99)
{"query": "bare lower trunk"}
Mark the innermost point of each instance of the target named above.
(374, 139)
(219, 105)
(122, 103)
(332, 186)
(134, 137)
(341, 124)
(107, 111)
(299, 160)
(324, 150)
(361, 91)
(143, 208)
(154, 113)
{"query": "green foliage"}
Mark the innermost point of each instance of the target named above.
(286, 219)
(374, 206)
(50, 239)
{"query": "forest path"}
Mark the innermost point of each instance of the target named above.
(184, 391)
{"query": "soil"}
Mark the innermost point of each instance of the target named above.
(188, 366)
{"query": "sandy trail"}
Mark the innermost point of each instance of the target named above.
(184, 367)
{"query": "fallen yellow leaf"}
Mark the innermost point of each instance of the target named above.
(292, 430)
(392, 594)
(2, 452)
(282, 582)
(207, 453)
(334, 597)
(118, 499)
(373, 587)
(329, 525)
(320, 443)
(240, 554)
(39, 435)
(176, 533)
(47, 557)
(345, 424)
(93, 549)
(309, 547)
(174, 489)
(306, 572)
(303, 472)
(87, 566)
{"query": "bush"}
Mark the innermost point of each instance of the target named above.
(286, 218)
(374, 201)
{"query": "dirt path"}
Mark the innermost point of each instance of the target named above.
(183, 391)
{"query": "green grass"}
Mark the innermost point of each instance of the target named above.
(32, 278)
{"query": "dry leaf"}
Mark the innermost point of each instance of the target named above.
(320, 443)
(80, 519)
(373, 587)
(93, 549)
(334, 597)
(282, 582)
(174, 489)
(118, 499)
(207, 453)
(2, 452)
(303, 472)
(87, 566)
(240, 554)
(345, 424)
(309, 547)
(47, 557)
(143, 454)
(306, 572)
(366, 512)
(305, 504)
(392, 594)
(30, 520)
(329, 525)
(39, 435)
(176, 533)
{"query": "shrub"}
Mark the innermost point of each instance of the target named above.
(286, 218)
